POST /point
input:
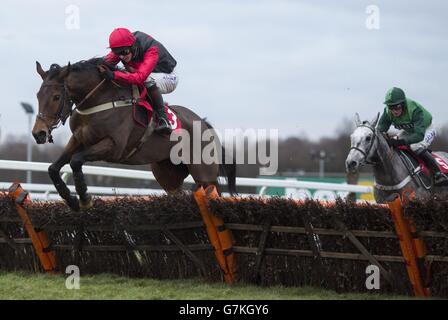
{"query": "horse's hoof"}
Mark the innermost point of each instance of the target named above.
(87, 204)
(73, 203)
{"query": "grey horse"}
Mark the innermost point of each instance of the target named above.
(369, 146)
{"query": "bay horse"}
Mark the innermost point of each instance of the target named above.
(111, 135)
(393, 170)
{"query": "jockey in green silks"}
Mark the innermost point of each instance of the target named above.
(415, 123)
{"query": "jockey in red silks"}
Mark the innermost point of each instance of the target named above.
(147, 63)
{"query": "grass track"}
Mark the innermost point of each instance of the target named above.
(98, 287)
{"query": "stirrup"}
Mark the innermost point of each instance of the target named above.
(163, 126)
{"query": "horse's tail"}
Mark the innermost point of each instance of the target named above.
(227, 170)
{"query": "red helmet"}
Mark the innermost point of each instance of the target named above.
(121, 37)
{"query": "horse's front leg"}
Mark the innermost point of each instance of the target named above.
(95, 152)
(54, 171)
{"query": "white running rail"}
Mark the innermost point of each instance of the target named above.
(147, 175)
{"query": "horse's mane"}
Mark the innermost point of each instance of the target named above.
(91, 64)
(80, 66)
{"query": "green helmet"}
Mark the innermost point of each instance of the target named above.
(395, 96)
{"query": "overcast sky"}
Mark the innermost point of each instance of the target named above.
(299, 66)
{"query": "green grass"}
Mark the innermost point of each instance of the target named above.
(42, 286)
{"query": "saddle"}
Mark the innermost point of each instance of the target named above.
(417, 168)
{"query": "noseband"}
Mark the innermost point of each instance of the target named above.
(60, 118)
(366, 153)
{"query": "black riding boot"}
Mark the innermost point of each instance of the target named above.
(439, 177)
(162, 124)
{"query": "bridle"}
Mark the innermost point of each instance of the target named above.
(59, 116)
(366, 154)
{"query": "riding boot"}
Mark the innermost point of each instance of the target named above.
(439, 177)
(162, 124)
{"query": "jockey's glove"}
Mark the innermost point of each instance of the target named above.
(105, 73)
(396, 142)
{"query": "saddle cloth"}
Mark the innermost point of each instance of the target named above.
(417, 168)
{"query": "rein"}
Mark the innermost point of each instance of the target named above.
(90, 93)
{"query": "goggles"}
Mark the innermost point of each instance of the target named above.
(122, 51)
(395, 106)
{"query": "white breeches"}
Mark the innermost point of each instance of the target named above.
(166, 82)
(418, 147)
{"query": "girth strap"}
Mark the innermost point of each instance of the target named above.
(149, 130)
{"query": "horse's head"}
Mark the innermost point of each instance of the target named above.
(364, 142)
(61, 87)
(54, 101)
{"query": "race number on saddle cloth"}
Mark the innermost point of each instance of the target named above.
(441, 162)
(148, 65)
